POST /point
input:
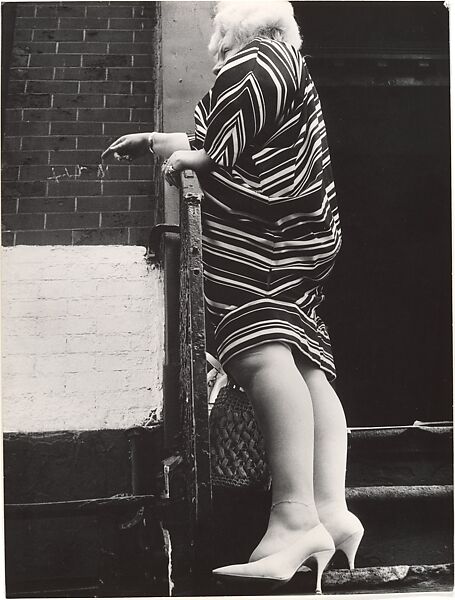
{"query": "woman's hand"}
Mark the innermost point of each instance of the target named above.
(197, 160)
(129, 147)
(174, 165)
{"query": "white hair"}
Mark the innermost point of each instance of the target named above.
(243, 20)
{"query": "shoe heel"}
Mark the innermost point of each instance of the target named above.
(322, 560)
(350, 546)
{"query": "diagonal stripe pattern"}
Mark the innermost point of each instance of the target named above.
(271, 229)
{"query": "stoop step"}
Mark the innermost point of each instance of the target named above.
(399, 484)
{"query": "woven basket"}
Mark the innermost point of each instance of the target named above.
(236, 443)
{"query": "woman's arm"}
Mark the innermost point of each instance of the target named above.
(134, 145)
(165, 144)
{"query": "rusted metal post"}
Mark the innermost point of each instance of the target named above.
(193, 382)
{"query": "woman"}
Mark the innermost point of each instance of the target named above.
(271, 235)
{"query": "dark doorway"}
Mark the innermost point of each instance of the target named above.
(381, 69)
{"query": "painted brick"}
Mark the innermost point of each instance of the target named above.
(58, 35)
(56, 60)
(83, 47)
(145, 10)
(10, 174)
(105, 87)
(76, 128)
(9, 205)
(16, 87)
(65, 188)
(29, 100)
(11, 144)
(43, 238)
(37, 47)
(138, 24)
(26, 158)
(46, 205)
(78, 100)
(18, 384)
(19, 60)
(25, 129)
(104, 203)
(92, 143)
(103, 60)
(83, 23)
(59, 121)
(80, 74)
(51, 114)
(141, 115)
(72, 220)
(53, 87)
(23, 35)
(24, 188)
(47, 346)
(109, 36)
(141, 172)
(13, 222)
(110, 11)
(139, 236)
(128, 100)
(71, 9)
(117, 129)
(25, 10)
(131, 48)
(34, 172)
(68, 157)
(36, 23)
(128, 219)
(46, 307)
(96, 237)
(143, 87)
(38, 73)
(127, 187)
(19, 365)
(104, 114)
(143, 60)
(64, 363)
(116, 371)
(49, 143)
(130, 74)
(13, 114)
(143, 36)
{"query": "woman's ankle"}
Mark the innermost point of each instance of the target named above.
(294, 515)
(329, 508)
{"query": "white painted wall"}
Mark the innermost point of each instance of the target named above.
(82, 338)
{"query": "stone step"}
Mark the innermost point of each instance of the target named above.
(420, 454)
(386, 579)
(403, 524)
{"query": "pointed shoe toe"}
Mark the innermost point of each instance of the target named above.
(314, 547)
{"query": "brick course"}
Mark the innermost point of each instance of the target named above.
(81, 74)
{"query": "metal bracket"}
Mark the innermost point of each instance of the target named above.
(156, 235)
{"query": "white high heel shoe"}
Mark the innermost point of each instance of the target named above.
(314, 547)
(347, 533)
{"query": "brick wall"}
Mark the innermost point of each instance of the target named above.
(82, 338)
(82, 74)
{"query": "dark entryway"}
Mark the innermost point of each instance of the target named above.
(381, 69)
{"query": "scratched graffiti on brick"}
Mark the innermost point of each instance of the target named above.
(101, 172)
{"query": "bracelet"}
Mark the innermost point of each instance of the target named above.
(151, 144)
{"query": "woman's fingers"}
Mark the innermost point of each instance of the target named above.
(116, 147)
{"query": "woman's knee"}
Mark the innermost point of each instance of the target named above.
(247, 365)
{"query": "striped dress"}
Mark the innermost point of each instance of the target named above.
(271, 228)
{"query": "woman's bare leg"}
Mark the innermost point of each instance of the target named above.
(284, 411)
(330, 441)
